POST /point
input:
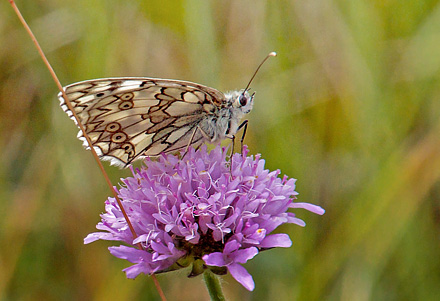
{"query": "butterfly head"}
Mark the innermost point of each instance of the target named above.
(243, 100)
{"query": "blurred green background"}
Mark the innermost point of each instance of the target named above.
(350, 107)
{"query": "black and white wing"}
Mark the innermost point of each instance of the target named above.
(130, 118)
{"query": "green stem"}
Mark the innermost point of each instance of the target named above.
(213, 284)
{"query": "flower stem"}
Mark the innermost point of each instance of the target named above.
(213, 284)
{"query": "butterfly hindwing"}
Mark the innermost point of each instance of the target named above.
(129, 118)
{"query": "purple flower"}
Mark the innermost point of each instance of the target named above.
(200, 210)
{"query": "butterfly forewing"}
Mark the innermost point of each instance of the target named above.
(129, 118)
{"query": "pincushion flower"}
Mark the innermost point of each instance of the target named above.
(199, 210)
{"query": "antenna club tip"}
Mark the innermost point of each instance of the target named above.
(273, 53)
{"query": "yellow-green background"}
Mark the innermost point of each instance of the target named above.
(350, 107)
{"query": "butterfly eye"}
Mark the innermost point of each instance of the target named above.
(243, 100)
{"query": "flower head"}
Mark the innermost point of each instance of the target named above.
(200, 210)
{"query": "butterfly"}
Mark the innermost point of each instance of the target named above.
(129, 118)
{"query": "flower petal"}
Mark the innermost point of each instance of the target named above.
(242, 276)
(276, 240)
(134, 271)
(215, 259)
(130, 254)
(99, 235)
(242, 256)
(310, 207)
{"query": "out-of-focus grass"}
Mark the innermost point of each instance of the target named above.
(350, 107)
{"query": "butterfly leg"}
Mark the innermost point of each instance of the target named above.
(232, 153)
(191, 141)
(232, 137)
(243, 126)
(204, 134)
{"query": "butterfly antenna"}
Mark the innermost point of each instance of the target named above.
(258, 68)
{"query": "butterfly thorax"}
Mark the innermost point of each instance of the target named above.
(225, 122)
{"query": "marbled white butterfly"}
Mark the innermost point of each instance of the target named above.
(128, 118)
